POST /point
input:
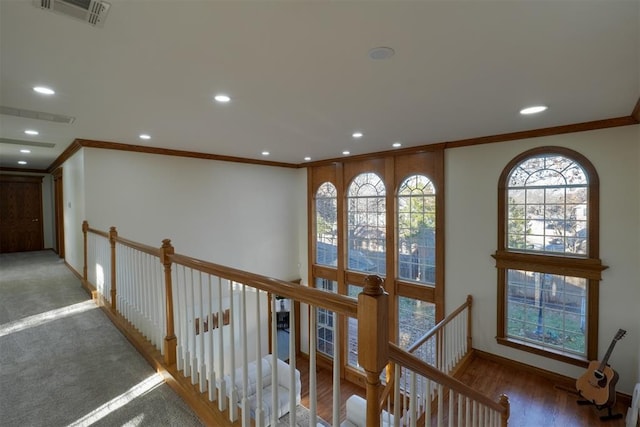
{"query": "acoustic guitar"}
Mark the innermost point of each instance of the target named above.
(597, 384)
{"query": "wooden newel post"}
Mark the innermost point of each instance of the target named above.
(373, 341)
(170, 340)
(504, 401)
(113, 235)
(85, 230)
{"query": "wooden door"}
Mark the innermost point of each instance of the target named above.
(20, 213)
(58, 211)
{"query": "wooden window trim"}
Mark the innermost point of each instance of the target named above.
(392, 169)
(589, 267)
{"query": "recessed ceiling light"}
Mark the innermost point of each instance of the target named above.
(357, 135)
(265, 153)
(396, 144)
(222, 98)
(22, 162)
(306, 159)
(44, 90)
(382, 52)
(31, 132)
(346, 153)
(533, 110)
(145, 136)
(25, 151)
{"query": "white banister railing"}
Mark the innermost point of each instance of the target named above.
(209, 321)
(446, 344)
(432, 398)
(99, 269)
(140, 295)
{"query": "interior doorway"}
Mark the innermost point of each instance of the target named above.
(287, 317)
(21, 213)
(283, 310)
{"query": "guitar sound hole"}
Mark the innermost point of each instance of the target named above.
(599, 375)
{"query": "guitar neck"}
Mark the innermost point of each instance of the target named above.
(618, 336)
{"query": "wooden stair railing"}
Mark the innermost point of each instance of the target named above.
(417, 396)
(146, 290)
(157, 297)
(461, 406)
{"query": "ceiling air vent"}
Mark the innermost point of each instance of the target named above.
(92, 11)
(38, 115)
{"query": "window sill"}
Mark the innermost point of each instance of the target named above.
(542, 351)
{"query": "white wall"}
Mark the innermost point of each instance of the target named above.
(254, 218)
(74, 210)
(471, 237)
(239, 215)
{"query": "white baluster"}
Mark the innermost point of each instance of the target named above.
(396, 394)
(202, 377)
(313, 392)
(292, 364)
(336, 366)
(259, 416)
(274, 362)
(427, 411)
(192, 331)
(246, 415)
(210, 370)
(233, 409)
(222, 391)
(467, 412)
(412, 399)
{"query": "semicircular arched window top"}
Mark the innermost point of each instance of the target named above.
(366, 224)
(547, 206)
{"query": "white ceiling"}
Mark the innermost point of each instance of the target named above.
(300, 77)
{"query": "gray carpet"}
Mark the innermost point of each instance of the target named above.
(62, 362)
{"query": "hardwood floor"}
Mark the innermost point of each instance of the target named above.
(324, 382)
(535, 401)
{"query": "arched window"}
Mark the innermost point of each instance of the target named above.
(547, 258)
(366, 224)
(326, 224)
(326, 227)
(417, 229)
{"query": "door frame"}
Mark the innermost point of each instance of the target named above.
(58, 211)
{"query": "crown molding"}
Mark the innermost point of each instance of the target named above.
(632, 119)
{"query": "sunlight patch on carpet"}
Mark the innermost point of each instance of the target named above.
(46, 317)
(119, 401)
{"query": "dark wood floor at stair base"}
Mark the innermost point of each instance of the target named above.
(324, 383)
(535, 401)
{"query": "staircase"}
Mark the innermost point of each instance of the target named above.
(203, 324)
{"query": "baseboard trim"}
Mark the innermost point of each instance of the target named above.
(561, 381)
(198, 402)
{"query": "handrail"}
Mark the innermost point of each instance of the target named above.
(318, 297)
(104, 234)
(431, 332)
(138, 246)
(405, 359)
(370, 309)
(388, 388)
